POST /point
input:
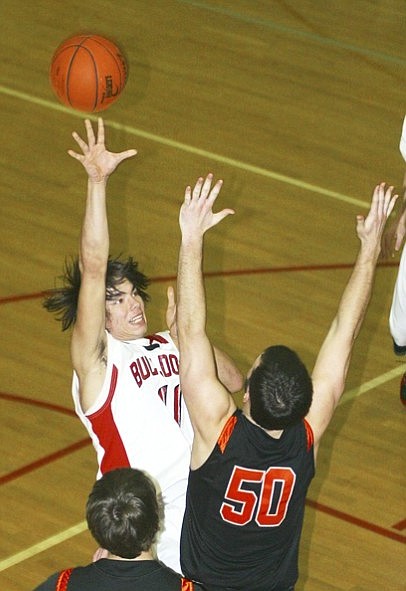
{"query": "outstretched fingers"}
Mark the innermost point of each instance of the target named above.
(382, 204)
(126, 154)
(81, 143)
(196, 214)
(100, 131)
(91, 139)
(203, 192)
(385, 200)
(97, 160)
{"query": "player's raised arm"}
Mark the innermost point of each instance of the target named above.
(208, 402)
(333, 360)
(88, 337)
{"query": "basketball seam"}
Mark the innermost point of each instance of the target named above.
(120, 64)
(117, 61)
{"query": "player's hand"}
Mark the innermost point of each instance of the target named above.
(370, 228)
(98, 162)
(196, 214)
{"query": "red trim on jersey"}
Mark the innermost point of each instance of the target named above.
(309, 434)
(156, 337)
(186, 585)
(63, 579)
(226, 433)
(106, 430)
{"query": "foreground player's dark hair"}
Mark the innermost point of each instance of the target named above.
(122, 512)
(63, 301)
(280, 389)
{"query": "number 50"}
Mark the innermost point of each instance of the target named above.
(251, 504)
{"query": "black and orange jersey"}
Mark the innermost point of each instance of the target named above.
(245, 507)
(123, 575)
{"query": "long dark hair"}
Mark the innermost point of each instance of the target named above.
(63, 301)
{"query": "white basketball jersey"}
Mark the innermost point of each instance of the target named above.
(140, 420)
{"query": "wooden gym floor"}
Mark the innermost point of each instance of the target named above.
(298, 106)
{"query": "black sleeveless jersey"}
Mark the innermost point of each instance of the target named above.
(245, 507)
(118, 575)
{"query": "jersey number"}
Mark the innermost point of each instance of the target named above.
(268, 507)
(177, 399)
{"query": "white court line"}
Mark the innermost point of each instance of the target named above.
(186, 148)
(82, 526)
(378, 381)
(44, 545)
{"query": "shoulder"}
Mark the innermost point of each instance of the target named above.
(163, 338)
(300, 433)
(188, 585)
(171, 580)
(50, 584)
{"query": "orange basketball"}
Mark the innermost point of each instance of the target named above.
(88, 72)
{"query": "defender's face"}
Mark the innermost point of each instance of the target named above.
(125, 313)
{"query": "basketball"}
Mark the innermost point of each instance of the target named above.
(88, 73)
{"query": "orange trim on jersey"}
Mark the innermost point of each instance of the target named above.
(186, 585)
(309, 434)
(226, 433)
(63, 579)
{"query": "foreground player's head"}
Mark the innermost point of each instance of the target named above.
(278, 389)
(122, 512)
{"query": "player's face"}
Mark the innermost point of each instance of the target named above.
(125, 313)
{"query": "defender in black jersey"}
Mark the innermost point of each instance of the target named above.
(123, 516)
(251, 468)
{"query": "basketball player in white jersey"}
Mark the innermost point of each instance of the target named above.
(126, 384)
(393, 240)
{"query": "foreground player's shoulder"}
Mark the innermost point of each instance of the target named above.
(187, 585)
(51, 584)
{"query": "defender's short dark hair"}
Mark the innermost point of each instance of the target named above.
(122, 512)
(64, 300)
(280, 389)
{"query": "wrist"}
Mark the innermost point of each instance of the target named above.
(192, 240)
(369, 253)
(97, 180)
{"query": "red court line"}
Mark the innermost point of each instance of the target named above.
(41, 403)
(310, 503)
(356, 521)
(84, 442)
(269, 270)
(78, 445)
(44, 461)
(19, 298)
(230, 273)
(52, 457)
(400, 526)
